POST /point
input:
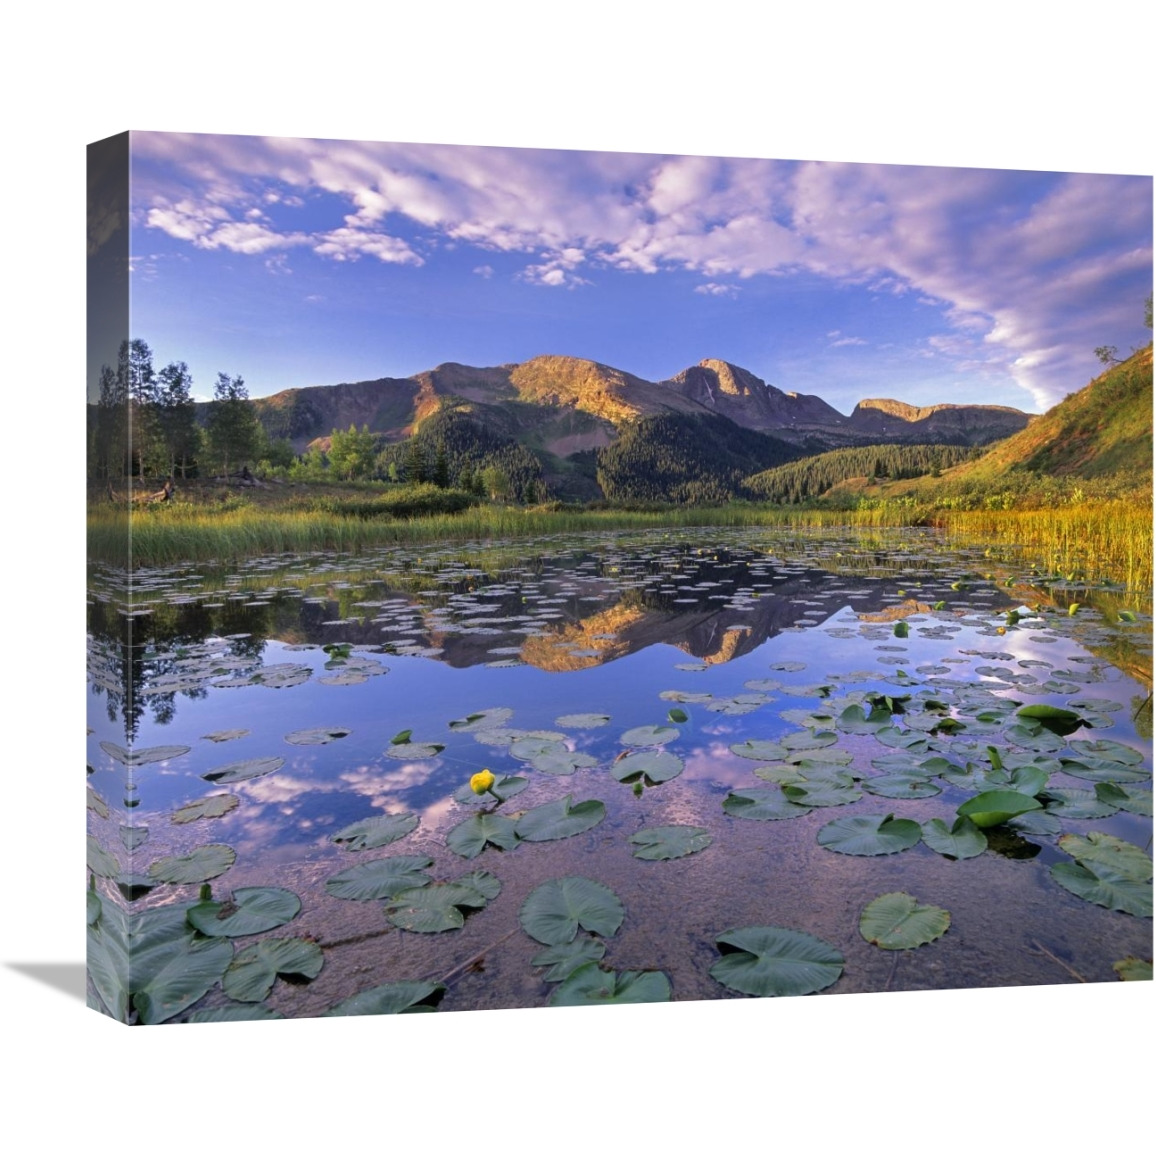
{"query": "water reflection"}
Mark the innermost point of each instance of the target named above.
(752, 637)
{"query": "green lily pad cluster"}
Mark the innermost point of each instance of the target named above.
(554, 914)
(179, 953)
(1107, 871)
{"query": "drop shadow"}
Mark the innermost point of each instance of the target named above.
(65, 977)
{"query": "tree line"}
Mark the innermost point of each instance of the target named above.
(145, 421)
(813, 476)
(687, 459)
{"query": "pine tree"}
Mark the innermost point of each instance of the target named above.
(232, 422)
(415, 470)
(176, 416)
(441, 471)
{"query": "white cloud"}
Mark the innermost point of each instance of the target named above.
(716, 289)
(558, 270)
(348, 244)
(486, 271)
(1043, 266)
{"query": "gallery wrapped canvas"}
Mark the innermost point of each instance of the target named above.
(525, 578)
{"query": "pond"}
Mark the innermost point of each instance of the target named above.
(719, 764)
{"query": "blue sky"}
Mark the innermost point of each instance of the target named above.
(304, 262)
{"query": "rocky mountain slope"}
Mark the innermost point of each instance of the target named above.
(528, 400)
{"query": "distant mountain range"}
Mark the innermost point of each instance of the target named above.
(566, 405)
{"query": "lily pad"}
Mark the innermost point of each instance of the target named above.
(470, 838)
(248, 769)
(555, 910)
(1103, 770)
(566, 958)
(225, 736)
(654, 766)
(1133, 799)
(1133, 968)
(763, 803)
(1075, 804)
(854, 721)
(316, 736)
(441, 906)
(1105, 887)
(962, 840)
(670, 842)
(1108, 749)
(589, 984)
(233, 1013)
(990, 808)
(582, 721)
(97, 804)
(380, 878)
(171, 968)
(482, 720)
(913, 741)
(648, 736)
(134, 837)
(781, 773)
(900, 787)
(529, 749)
(379, 831)
(101, 862)
(869, 835)
(1035, 823)
(775, 961)
(204, 863)
(210, 807)
(896, 922)
(563, 762)
(139, 757)
(1056, 718)
(1118, 855)
(559, 819)
(822, 792)
(414, 752)
(809, 740)
(391, 999)
(762, 750)
(250, 911)
(251, 975)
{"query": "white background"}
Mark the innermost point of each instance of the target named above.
(1047, 86)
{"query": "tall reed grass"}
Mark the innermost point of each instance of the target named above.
(1110, 540)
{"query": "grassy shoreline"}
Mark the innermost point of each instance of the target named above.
(1096, 540)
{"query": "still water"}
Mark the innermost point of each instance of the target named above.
(731, 694)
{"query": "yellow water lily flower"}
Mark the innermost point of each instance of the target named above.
(482, 782)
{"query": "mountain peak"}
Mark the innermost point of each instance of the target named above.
(733, 379)
(747, 400)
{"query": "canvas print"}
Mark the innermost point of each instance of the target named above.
(524, 578)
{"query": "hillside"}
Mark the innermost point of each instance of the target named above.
(1097, 441)
(1102, 433)
(1103, 430)
(686, 458)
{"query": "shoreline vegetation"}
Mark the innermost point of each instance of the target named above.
(1090, 541)
(1071, 494)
